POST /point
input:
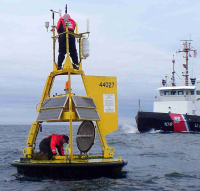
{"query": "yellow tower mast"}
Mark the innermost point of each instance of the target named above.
(101, 90)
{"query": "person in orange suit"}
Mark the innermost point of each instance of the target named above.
(49, 145)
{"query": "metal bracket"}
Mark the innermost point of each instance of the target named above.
(109, 152)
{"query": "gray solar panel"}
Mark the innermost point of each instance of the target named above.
(51, 114)
(54, 102)
(89, 114)
(83, 102)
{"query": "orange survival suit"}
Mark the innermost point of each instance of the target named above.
(51, 143)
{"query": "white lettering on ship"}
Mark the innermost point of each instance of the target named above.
(168, 124)
(197, 125)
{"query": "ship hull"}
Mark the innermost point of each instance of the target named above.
(167, 122)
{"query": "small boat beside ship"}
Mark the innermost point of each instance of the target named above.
(176, 108)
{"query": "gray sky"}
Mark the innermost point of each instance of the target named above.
(133, 40)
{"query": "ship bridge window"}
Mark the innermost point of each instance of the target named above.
(173, 93)
(192, 92)
(180, 93)
(198, 92)
(161, 93)
(166, 93)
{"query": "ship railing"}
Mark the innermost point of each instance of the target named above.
(176, 98)
(177, 84)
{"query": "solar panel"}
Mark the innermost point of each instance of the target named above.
(87, 114)
(54, 102)
(51, 114)
(83, 102)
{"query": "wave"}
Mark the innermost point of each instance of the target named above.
(129, 129)
(179, 175)
(155, 131)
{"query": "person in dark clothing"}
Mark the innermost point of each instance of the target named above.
(61, 27)
(49, 145)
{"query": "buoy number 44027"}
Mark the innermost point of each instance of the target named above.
(107, 84)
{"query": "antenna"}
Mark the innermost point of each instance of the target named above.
(87, 23)
(139, 107)
(52, 16)
(166, 80)
(186, 49)
(66, 19)
(173, 72)
(60, 13)
(53, 30)
(66, 9)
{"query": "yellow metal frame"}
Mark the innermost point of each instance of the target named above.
(70, 115)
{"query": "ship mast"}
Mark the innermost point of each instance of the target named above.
(173, 72)
(186, 49)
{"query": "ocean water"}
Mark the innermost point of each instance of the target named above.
(156, 161)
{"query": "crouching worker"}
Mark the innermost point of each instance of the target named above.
(49, 145)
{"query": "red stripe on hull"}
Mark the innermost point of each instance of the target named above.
(178, 122)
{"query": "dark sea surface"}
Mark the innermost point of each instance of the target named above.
(156, 161)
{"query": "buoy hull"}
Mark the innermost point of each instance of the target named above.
(72, 170)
